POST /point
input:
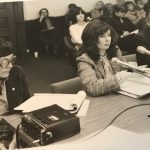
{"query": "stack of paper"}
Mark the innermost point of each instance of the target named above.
(135, 86)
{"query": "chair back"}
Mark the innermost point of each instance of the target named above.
(71, 50)
(70, 86)
(69, 44)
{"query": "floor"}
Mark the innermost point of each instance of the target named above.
(45, 70)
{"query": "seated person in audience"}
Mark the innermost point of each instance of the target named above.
(76, 29)
(48, 35)
(142, 24)
(97, 12)
(14, 88)
(131, 13)
(143, 43)
(98, 74)
(123, 26)
(107, 12)
(139, 7)
(67, 15)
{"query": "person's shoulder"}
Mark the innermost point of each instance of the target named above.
(16, 70)
(85, 58)
(73, 25)
(16, 67)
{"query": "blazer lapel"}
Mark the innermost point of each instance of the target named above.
(100, 68)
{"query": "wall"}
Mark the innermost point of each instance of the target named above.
(55, 7)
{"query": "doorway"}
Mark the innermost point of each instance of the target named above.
(12, 25)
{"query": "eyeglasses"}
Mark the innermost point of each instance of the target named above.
(5, 62)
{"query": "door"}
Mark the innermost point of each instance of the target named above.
(7, 22)
(12, 25)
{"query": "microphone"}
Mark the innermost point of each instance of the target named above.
(124, 64)
(143, 50)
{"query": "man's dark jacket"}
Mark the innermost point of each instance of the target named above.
(17, 87)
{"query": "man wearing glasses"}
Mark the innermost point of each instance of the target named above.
(14, 88)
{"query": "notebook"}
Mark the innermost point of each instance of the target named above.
(71, 102)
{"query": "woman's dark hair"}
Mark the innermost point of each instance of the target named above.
(90, 38)
(72, 5)
(43, 9)
(74, 12)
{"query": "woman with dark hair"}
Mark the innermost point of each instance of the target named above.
(78, 17)
(99, 75)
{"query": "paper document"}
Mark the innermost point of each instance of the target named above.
(135, 86)
(41, 100)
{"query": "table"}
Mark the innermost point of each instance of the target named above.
(101, 111)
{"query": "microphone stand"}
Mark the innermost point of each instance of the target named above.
(137, 69)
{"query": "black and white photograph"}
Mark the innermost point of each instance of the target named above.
(74, 74)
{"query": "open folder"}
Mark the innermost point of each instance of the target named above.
(71, 102)
(135, 86)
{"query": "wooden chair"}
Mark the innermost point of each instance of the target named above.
(71, 50)
(70, 86)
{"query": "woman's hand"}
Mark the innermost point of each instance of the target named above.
(41, 18)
